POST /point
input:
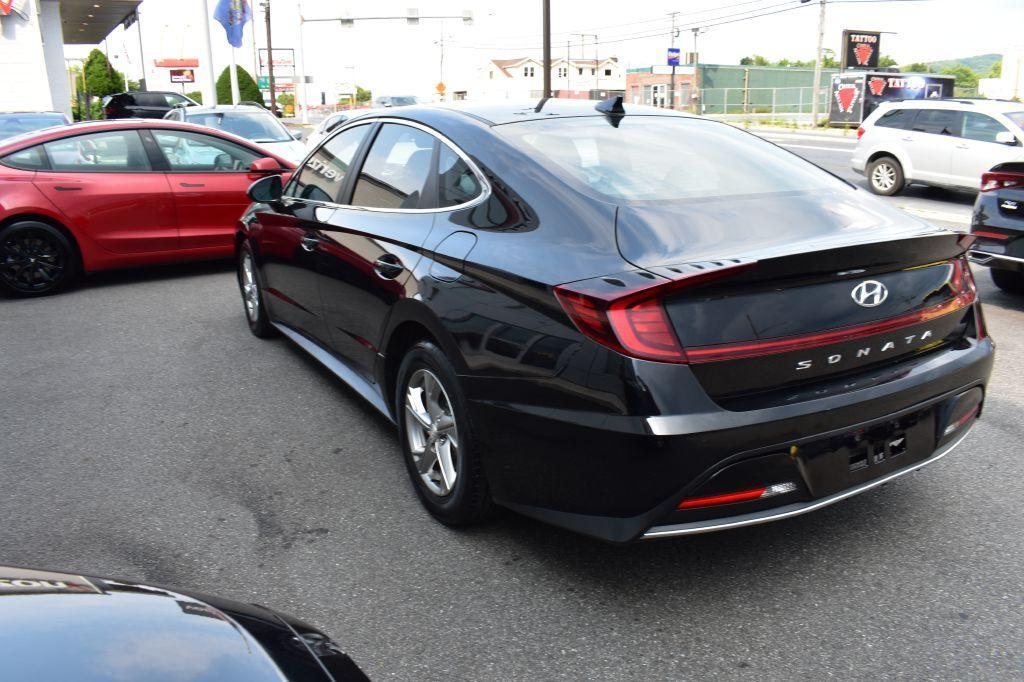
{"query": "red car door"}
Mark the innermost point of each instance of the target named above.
(208, 176)
(104, 183)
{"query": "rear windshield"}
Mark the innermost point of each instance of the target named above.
(255, 126)
(16, 124)
(662, 158)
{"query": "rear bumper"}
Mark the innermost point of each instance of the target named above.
(621, 477)
(796, 508)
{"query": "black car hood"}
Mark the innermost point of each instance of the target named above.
(758, 226)
(58, 626)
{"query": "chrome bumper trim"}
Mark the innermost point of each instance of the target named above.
(795, 509)
(983, 257)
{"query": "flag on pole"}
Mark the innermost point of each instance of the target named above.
(233, 15)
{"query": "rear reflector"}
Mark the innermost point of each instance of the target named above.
(990, 235)
(959, 423)
(741, 496)
(994, 181)
(860, 132)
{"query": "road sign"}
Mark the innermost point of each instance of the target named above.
(263, 82)
(673, 56)
(440, 88)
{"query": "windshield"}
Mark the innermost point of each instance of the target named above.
(663, 158)
(1017, 117)
(16, 124)
(256, 126)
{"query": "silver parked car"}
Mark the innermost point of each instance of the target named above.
(944, 143)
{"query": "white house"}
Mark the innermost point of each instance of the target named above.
(523, 78)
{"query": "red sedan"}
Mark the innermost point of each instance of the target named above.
(114, 194)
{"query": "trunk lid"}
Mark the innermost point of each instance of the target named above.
(834, 287)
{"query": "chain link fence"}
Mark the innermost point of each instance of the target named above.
(770, 101)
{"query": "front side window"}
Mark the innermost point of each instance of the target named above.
(173, 99)
(258, 126)
(981, 127)
(198, 153)
(396, 169)
(897, 118)
(659, 158)
(457, 183)
(118, 151)
(322, 175)
(937, 121)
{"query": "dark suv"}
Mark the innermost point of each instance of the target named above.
(148, 104)
(998, 225)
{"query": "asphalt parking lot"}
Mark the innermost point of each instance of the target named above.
(147, 435)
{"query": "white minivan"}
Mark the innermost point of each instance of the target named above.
(945, 143)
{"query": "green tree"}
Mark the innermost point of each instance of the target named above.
(196, 96)
(248, 90)
(755, 60)
(965, 75)
(886, 60)
(996, 70)
(916, 67)
(363, 95)
(100, 77)
(828, 59)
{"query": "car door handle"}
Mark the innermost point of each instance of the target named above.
(62, 188)
(309, 242)
(192, 184)
(907, 139)
(963, 146)
(388, 266)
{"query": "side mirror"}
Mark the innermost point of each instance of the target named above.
(265, 165)
(265, 190)
(1006, 137)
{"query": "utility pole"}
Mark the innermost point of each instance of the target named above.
(697, 30)
(547, 48)
(440, 68)
(270, 58)
(672, 82)
(208, 82)
(817, 65)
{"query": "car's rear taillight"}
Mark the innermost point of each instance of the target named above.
(1001, 180)
(630, 318)
(860, 132)
(109, 109)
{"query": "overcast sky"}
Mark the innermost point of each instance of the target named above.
(394, 57)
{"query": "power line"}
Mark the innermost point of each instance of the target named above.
(710, 23)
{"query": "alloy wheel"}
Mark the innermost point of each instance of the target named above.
(432, 432)
(30, 261)
(250, 290)
(883, 177)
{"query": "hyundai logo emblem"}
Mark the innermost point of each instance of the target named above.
(870, 293)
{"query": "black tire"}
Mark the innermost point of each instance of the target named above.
(258, 321)
(885, 176)
(469, 500)
(1009, 281)
(36, 259)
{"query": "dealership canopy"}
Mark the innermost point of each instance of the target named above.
(87, 22)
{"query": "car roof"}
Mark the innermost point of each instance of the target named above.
(502, 112)
(960, 104)
(16, 113)
(57, 132)
(223, 107)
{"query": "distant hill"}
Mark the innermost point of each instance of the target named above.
(980, 63)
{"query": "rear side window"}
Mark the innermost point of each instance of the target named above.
(324, 172)
(396, 169)
(937, 122)
(111, 152)
(897, 118)
(456, 182)
(981, 127)
(27, 159)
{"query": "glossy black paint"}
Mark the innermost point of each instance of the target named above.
(1000, 212)
(58, 626)
(575, 433)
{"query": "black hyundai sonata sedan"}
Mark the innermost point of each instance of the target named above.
(627, 322)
